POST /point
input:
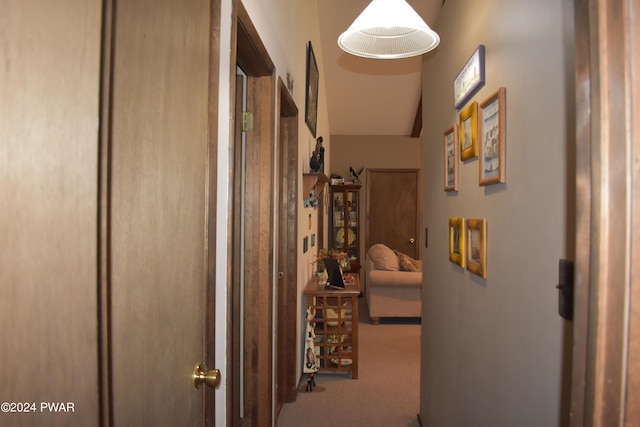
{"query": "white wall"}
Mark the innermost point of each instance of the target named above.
(493, 349)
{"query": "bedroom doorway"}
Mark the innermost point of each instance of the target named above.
(252, 224)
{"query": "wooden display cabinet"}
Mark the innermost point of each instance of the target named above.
(344, 223)
(335, 324)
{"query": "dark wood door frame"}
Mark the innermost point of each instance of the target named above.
(287, 249)
(606, 327)
(256, 314)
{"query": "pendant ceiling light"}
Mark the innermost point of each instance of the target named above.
(388, 29)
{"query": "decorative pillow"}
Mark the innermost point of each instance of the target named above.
(383, 257)
(407, 263)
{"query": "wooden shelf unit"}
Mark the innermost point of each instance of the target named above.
(313, 181)
(335, 324)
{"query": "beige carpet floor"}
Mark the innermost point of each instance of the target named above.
(387, 391)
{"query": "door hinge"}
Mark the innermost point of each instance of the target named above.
(245, 422)
(247, 121)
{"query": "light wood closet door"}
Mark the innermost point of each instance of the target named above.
(49, 86)
(158, 210)
(102, 257)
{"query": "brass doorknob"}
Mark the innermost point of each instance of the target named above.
(412, 240)
(201, 375)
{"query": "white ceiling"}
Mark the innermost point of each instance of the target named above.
(368, 96)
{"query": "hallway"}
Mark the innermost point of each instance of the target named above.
(387, 391)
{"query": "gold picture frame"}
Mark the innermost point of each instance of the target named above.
(476, 246)
(456, 241)
(451, 158)
(468, 131)
(492, 128)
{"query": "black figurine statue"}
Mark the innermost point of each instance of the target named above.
(317, 158)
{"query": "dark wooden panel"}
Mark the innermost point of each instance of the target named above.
(252, 56)
(392, 209)
(258, 268)
(417, 122)
(606, 377)
(286, 251)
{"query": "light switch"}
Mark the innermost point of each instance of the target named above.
(565, 289)
(426, 237)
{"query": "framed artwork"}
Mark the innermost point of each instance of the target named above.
(451, 159)
(470, 79)
(311, 97)
(476, 246)
(456, 241)
(492, 128)
(468, 132)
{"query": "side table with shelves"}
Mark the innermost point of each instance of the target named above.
(335, 324)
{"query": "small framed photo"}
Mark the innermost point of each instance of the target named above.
(468, 132)
(492, 128)
(456, 241)
(451, 159)
(470, 79)
(476, 246)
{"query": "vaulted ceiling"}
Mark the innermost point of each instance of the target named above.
(369, 96)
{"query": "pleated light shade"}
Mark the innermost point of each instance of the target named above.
(388, 29)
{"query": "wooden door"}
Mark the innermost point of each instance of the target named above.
(393, 209)
(50, 86)
(287, 251)
(104, 260)
(158, 213)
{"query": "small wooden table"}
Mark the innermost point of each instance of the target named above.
(335, 324)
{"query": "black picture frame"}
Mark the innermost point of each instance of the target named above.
(334, 274)
(470, 79)
(311, 95)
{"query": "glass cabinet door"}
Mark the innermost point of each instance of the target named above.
(345, 230)
(338, 210)
(338, 221)
(352, 226)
